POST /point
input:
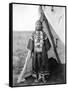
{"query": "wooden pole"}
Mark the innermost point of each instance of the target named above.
(21, 76)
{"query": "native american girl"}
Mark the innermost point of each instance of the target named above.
(39, 45)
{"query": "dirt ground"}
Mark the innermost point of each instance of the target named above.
(57, 76)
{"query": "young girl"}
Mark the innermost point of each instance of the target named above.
(39, 45)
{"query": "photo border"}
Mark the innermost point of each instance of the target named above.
(11, 42)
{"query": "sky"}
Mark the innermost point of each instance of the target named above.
(25, 16)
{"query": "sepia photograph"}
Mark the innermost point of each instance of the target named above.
(38, 44)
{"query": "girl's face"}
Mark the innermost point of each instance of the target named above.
(38, 26)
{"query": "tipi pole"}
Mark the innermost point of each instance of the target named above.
(43, 18)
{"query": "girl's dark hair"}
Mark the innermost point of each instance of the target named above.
(38, 21)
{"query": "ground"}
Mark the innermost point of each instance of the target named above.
(56, 77)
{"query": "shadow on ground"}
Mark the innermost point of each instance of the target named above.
(57, 75)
